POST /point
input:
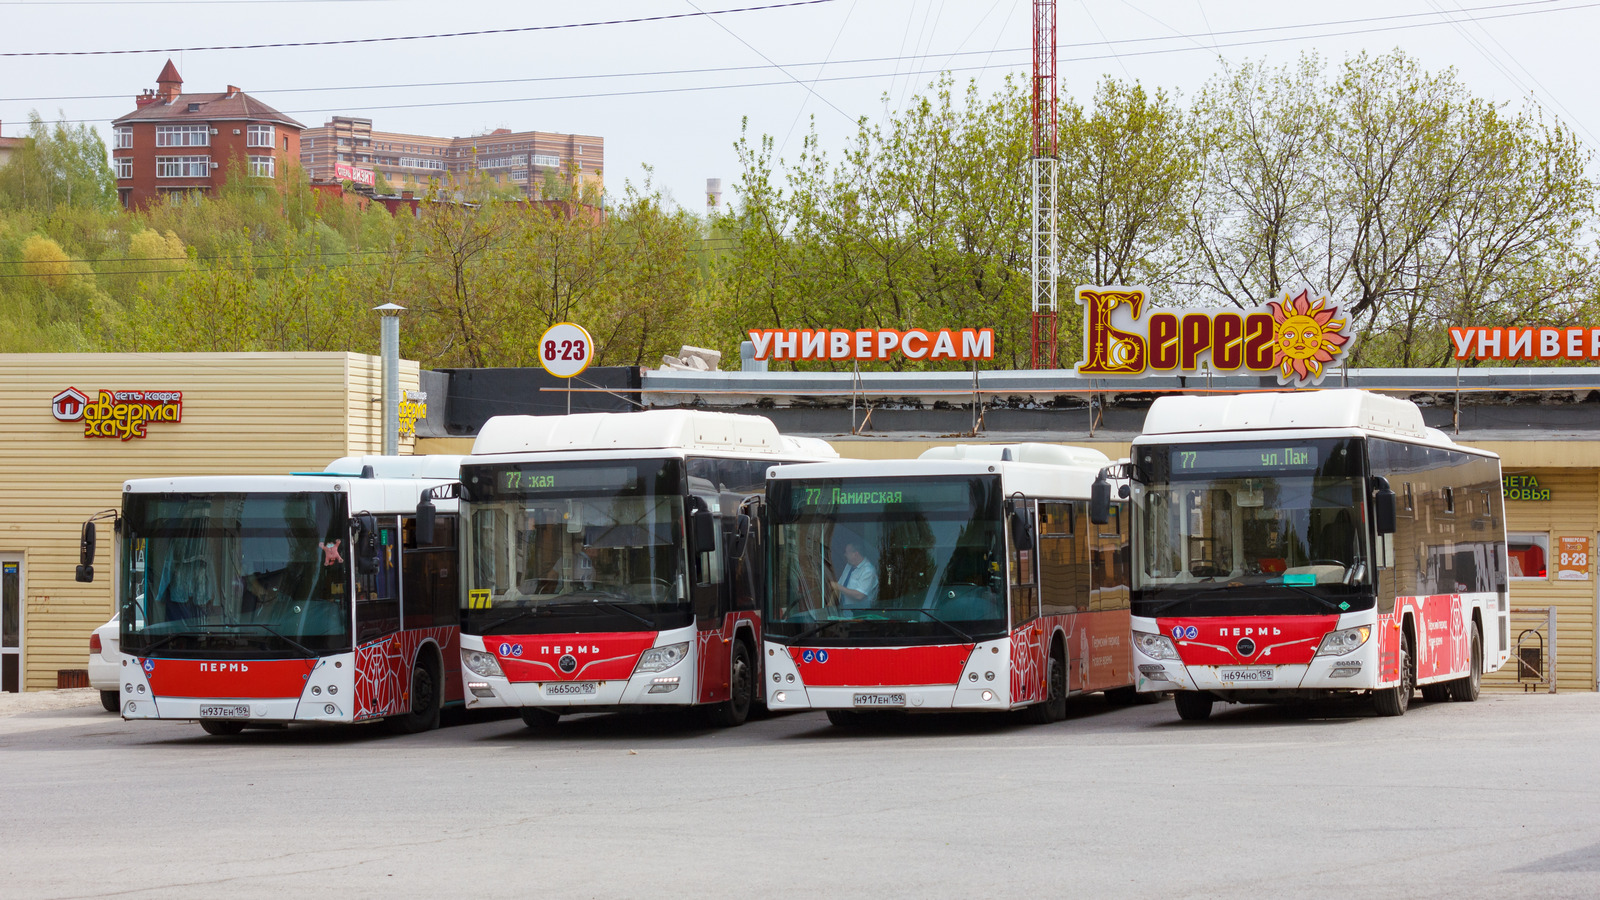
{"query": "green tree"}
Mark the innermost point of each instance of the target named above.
(64, 165)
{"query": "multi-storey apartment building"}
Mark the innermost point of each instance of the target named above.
(511, 158)
(178, 143)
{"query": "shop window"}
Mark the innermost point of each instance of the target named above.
(1529, 554)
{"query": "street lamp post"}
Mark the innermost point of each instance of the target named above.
(391, 376)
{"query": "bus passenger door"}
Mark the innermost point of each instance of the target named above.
(1112, 653)
(709, 593)
(379, 672)
(1027, 637)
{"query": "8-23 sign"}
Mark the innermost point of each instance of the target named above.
(565, 349)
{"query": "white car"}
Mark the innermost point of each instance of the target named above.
(103, 674)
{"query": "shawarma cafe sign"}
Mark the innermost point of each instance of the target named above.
(122, 415)
(1123, 336)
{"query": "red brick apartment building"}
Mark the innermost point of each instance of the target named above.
(410, 161)
(177, 143)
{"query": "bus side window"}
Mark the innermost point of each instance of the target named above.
(377, 593)
(430, 577)
(1058, 566)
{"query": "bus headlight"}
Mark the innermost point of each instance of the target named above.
(482, 664)
(1338, 643)
(1155, 646)
(658, 658)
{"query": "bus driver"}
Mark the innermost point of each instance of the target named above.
(858, 584)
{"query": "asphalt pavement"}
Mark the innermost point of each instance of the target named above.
(1491, 799)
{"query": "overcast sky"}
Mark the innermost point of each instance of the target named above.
(835, 60)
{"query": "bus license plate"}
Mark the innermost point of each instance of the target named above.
(880, 699)
(570, 689)
(1256, 673)
(224, 712)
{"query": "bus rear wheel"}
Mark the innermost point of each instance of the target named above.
(427, 689)
(1193, 706)
(110, 701)
(221, 727)
(741, 689)
(1395, 700)
(1466, 688)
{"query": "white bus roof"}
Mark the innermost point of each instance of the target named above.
(1036, 470)
(396, 486)
(656, 429)
(1346, 410)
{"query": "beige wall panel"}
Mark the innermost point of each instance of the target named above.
(1573, 511)
(243, 413)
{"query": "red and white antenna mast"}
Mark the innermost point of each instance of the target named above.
(1043, 169)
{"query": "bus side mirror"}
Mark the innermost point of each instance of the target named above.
(85, 573)
(702, 527)
(1383, 505)
(1100, 500)
(1021, 525)
(425, 515)
(739, 541)
(366, 549)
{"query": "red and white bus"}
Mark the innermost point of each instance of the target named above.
(1292, 546)
(265, 600)
(967, 579)
(613, 561)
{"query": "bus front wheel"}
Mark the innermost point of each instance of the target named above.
(1193, 706)
(538, 719)
(741, 688)
(1395, 700)
(427, 689)
(1054, 707)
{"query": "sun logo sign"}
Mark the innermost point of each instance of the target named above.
(1306, 336)
(1297, 337)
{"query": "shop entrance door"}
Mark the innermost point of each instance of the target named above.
(10, 623)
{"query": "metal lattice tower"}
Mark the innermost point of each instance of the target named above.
(1044, 169)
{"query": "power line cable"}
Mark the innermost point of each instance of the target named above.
(793, 80)
(698, 13)
(1176, 35)
(791, 75)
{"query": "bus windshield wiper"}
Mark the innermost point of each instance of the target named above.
(277, 634)
(958, 632)
(819, 626)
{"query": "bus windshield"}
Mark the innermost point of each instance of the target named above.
(1224, 528)
(574, 547)
(886, 560)
(231, 574)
